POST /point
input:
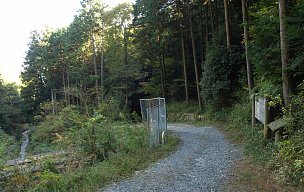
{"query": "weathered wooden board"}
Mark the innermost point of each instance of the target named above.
(259, 111)
(277, 124)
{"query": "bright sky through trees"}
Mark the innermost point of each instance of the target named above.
(18, 18)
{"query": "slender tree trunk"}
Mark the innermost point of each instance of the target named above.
(183, 57)
(284, 51)
(216, 14)
(126, 65)
(64, 87)
(55, 98)
(161, 68)
(162, 79)
(246, 39)
(227, 23)
(53, 102)
(206, 28)
(102, 62)
(194, 58)
(95, 69)
(185, 72)
(68, 92)
(211, 17)
(202, 32)
(164, 67)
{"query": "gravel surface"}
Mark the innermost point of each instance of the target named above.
(202, 162)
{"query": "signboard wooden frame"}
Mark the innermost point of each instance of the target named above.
(261, 112)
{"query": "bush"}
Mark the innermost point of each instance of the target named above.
(220, 74)
(290, 159)
(9, 147)
(239, 124)
(52, 133)
(96, 137)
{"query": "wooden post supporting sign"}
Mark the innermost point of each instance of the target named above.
(267, 131)
(253, 120)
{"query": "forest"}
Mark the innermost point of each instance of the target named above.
(82, 81)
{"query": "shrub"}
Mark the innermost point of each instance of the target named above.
(255, 146)
(290, 159)
(9, 148)
(220, 74)
(52, 133)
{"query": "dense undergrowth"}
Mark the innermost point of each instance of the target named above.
(285, 160)
(9, 147)
(100, 150)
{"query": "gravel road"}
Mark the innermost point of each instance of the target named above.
(202, 163)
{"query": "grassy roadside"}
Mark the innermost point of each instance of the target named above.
(99, 152)
(93, 177)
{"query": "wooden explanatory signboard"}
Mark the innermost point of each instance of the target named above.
(259, 111)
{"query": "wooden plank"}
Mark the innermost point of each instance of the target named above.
(277, 124)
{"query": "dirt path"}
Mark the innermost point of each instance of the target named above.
(202, 162)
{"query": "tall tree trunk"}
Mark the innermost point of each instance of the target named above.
(202, 32)
(227, 23)
(53, 102)
(216, 14)
(206, 28)
(64, 87)
(284, 51)
(162, 79)
(68, 92)
(126, 63)
(194, 58)
(185, 72)
(211, 17)
(161, 68)
(183, 57)
(95, 69)
(102, 62)
(246, 39)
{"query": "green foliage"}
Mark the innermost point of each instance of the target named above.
(9, 148)
(265, 47)
(33, 77)
(286, 159)
(296, 41)
(239, 126)
(220, 74)
(265, 50)
(47, 179)
(53, 132)
(111, 109)
(131, 154)
(182, 107)
(10, 116)
(290, 159)
(19, 182)
(10, 112)
(97, 138)
(68, 61)
(130, 137)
